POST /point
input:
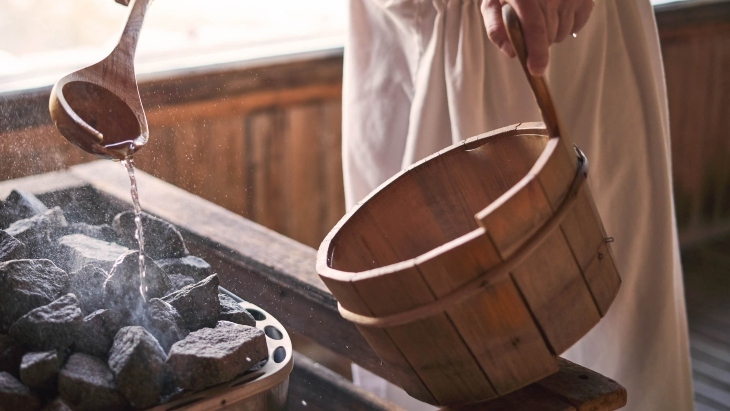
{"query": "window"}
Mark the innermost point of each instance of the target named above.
(42, 40)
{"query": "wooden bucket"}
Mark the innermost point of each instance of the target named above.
(470, 271)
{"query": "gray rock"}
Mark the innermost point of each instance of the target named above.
(103, 232)
(38, 232)
(88, 286)
(28, 284)
(122, 286)
(97, 332)
(11, 354)
(197, 304)
(87, 384)
(179, 281)
(39, 370)
(161, 239)
(164, 323)
(211, 356)
(233, 312)
(82, 204)
(52, 326)
(19, 205)
(190, 266)
(14, 396)
(138, 364)
(10, 247)
(77, 251)
(57, 405)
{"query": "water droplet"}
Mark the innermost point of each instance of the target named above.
(248, 359)
(304, 403)
(575, 35)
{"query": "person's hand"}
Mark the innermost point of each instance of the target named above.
(544, 22)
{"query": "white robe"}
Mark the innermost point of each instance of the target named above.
(421, 75)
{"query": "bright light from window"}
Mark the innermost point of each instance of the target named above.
(43, 39)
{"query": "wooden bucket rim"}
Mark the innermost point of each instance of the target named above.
(323, 253)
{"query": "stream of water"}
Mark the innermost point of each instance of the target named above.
(139, 233)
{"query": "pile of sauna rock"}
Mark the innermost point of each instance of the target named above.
(75, 331)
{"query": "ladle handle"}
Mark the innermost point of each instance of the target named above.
(538, 84)
(128, 42)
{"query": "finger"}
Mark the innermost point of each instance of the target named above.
(567, 22)
(581, 14)
(535, 33)
(552, 19)
(492, 15)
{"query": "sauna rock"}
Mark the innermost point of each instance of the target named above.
(59, 316)
(179, 281)
(76, 251)
(28, 284)
(164, 323)
(10, 247)
(38, 232)
(211, 356)
(88, 286)
(138, 364)
(97, 332)
(11, 355)
(39, 370)
(16, 396)
(50, 326)
(87, 384)
(19, 205)
(161, 239)
(190, 266)
(103, 232)
(197, 304)
(122, 286)
(57, 405)
(233, 312)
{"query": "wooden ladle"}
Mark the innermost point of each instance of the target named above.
(98, 108)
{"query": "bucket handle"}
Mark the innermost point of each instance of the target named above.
(537, 84)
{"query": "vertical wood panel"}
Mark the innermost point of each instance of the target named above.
(264, 162)
(330, 154)
(697, 62)
(304, 170)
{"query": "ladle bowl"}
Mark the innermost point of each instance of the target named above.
(98, 108)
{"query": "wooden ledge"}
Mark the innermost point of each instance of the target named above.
(572, 388)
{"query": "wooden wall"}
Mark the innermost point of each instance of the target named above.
(263, 140)
(695, 42)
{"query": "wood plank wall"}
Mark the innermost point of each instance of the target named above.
(263, 140)
(695, 38)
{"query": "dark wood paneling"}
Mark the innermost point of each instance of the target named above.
(29, 108)
(315, 388)
(695, 39)
(261, 141)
